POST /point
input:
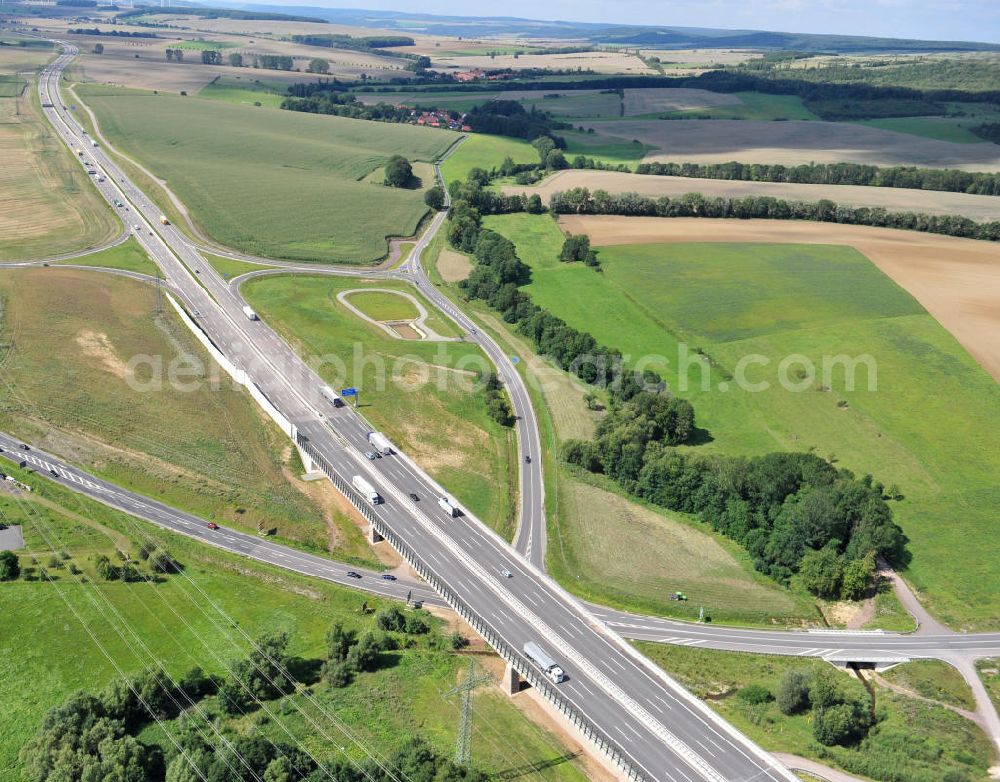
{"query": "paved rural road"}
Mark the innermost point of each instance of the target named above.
(645, 722)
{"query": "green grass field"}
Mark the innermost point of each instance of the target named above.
(621, 553)
(198, 45)
(47, 652)
(379, 305)
(481, 151)
(128, 256)
(914, 742)
(11, 86)
(755, 106)
(933, 679)
(989, 672)
(93, 373)
(890, 613)
(243, 92)
(608, 149)
(928, 428)
(442, 423)
(289, 188)
(941, 128)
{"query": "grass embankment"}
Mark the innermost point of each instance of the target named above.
(128, 256)
(49, 207)
(607, 548)
(419, 393)
(914, 741)
(774, 301)
(989, 672)
(95, 374)
(230, 267)
(290, 188)
(935, 680)
(47, 652)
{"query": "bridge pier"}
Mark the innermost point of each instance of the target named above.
(373, 535)
(307, 461)
(511, 683)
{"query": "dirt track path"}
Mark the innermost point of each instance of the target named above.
(956, 280)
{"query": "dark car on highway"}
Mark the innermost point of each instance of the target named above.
(414, 497)
(388, 577)
(353, 574)
(212, 525)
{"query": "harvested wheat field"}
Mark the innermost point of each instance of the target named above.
(956, 280)
(649, 100)
(976, 207)
(49, 206)
(118, 66)
(599, 62)
(797, 141)
(703, 57)
(453, 266)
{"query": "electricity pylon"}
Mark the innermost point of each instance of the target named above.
(463, 746)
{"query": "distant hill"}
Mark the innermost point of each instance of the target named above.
(651, 37)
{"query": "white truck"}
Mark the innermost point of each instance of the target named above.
(93, 143)
(381, 443)
(331, 396)
(541, 658)
(366, 489)
(251, 315)
(448, 506)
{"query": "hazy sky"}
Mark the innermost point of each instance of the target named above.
(971, 20)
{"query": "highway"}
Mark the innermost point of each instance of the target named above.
(648, 725)
(827, 644)
(227, 539)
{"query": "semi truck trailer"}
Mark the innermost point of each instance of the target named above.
(331, 396)
(251, 315)
(448, 506)
(381, 443)
(366, 489)
(541, 658)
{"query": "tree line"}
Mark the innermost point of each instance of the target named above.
(583, 201)
(111, 33)
(346, 105)
(97, 737)
(362, 43)
(728, 80)
(510, 118)
(944, 179)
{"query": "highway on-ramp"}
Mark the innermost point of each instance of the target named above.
(646, 724)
